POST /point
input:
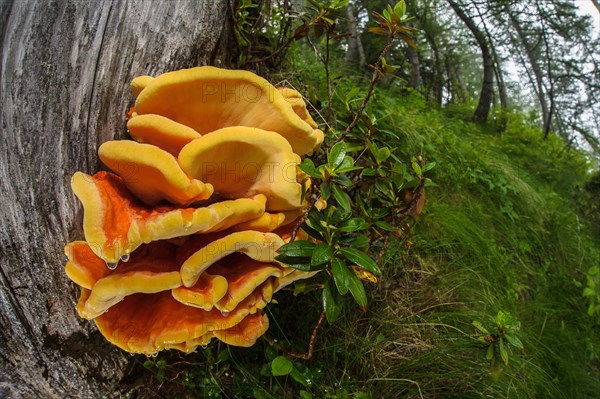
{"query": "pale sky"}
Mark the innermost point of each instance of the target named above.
(586, 7)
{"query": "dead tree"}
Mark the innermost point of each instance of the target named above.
(64, 77)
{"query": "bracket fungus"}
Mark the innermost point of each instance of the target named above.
(180, 241)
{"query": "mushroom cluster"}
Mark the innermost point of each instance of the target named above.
(180, 241)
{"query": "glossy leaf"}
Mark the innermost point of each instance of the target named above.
(331, 302)
(281, 366)
(503, 351)
(357, 289)
(321, 254)
(361, 259)
(512, 339)
(480, 327)
(354, 224)
(341, 275)
(308, 167)
(299, 248)
(336, 155)
(341, 197)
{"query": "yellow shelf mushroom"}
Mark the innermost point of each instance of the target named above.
(180, 242)
(207, 99)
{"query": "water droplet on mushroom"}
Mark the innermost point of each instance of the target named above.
(125, 257)
(225, 314)
(111, 265)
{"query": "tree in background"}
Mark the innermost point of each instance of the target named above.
(489, 50)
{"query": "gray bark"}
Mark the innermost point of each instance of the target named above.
(487, 86)
(415, 68)
(356, 51)
(64, 89)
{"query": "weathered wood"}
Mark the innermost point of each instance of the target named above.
(64, 77)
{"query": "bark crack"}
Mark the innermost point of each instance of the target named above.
(93, 88)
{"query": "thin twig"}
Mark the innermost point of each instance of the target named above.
(311, 344)
(303, 218)
(328, 77)
(273, 54)
(383, 247)
(374, 78)
(417, 194)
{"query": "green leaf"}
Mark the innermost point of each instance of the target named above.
(281, 366)
(312, 232)
(325, 190)
(383, 154)
(503, 351)
(299, 377)
(384, 225)
(343, 180)
(308, 167)
(429, 166)
(512, 339)
(148, 364)
(417, 168)
(387, 16)
(302, 287)
(591, 309)
(223, 356)
(340, 3)
(300, 248)
(359, 240)
(347, 165)
(322, 254)
(480, 327)
(369, 172)
(361, 259)
(336, 155)
(490, 352)
(331, 302)
(592, 271)
(341, 197)
(341, 275)
(589, 292)
(339, 215)
(354, 224)
(305, 395)
(501, 319)
(259, 393)
(300, 263)
(357, 289)
(400, 8)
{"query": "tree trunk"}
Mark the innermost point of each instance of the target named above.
(415, 69)
(356, 52)
(437, 86)
(64, 89)
(487, 87)
(538, 87)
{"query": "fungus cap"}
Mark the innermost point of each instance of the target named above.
(208, 98)
(259, 246)
(115, 223)
(152, 174)
(241, 161)
(162, 132)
